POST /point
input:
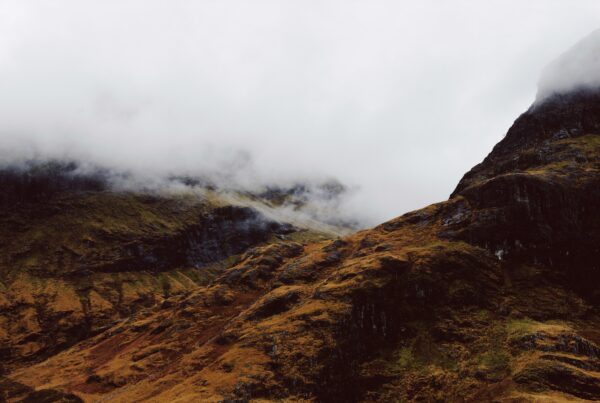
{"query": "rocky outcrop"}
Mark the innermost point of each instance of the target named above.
(532, 139)
(534, 197)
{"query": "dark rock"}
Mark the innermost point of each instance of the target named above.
(274, 305)
(554, 375)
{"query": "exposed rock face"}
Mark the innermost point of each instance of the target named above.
(489, 296)
(527, 143)
(537, 193)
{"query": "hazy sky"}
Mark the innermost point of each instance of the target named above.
(399, 98)
(576, 68)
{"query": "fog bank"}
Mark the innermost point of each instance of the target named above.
(395, 99)
(576, 69)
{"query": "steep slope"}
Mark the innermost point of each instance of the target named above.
(76, 257)
(489, 296)
(538, 190)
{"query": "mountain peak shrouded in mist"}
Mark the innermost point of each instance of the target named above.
(488, 296)
(578, 69)
(170, 229)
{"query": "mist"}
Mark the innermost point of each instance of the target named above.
(576, 69)
(395, 99)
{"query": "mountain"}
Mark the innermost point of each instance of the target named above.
(77, 256)
(489, 296)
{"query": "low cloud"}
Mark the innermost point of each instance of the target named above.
(394, 99)
(576, 69)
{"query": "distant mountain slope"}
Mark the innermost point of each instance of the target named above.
(489, 296)
(76, 256)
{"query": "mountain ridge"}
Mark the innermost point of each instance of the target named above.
(488, 296)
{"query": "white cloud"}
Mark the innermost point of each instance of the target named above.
(399, 98)
(578, 68)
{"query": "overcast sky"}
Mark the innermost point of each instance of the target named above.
(398, 98)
